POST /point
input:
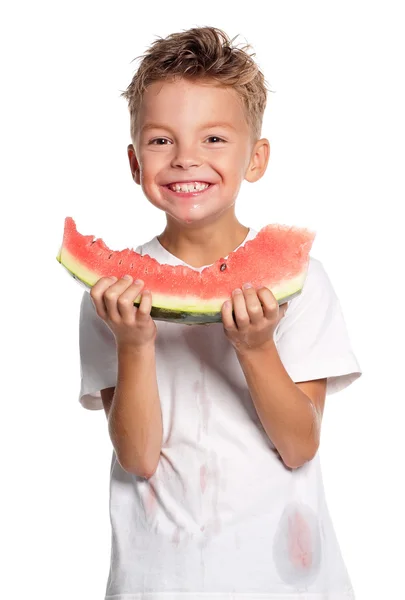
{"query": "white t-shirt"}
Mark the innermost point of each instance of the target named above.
(223, 518)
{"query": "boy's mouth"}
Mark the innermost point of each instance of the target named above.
(187, 187)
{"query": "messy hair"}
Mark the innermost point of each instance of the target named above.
(201, 53)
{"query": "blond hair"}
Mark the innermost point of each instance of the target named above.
(201, 53)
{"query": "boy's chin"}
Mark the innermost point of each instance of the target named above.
(194, 219)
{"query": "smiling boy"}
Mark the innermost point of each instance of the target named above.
(216, 489)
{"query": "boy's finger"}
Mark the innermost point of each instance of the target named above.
(113, 300)
(143, 311)
(125, 302)
(97, 295)
(269, 303)
(227, 317)
(241, 314)
(253, 305)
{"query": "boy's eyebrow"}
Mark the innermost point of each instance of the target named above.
(210, 125)
(218, 124)
(153, 126)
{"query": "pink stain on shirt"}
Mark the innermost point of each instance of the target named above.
(205, 402)
(297, 546)
(176, 537)
(203, 477)
(196, 389)
(151, 500)
(299, 541)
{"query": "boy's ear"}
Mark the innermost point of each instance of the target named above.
(134, 165)
(258, 160)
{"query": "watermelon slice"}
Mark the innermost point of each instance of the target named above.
(277, 258)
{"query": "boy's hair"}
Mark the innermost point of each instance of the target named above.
(201, 53)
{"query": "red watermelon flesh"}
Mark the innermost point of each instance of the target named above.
(277, 258)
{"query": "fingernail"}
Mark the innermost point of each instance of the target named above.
(138, 281)
(127, 277)
(237, 291)
(247, 286)
(114, 278)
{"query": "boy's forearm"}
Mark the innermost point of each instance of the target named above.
(135, 417)
(286, 413)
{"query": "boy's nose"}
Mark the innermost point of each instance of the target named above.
(185, 160)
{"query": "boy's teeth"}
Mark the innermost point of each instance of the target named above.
(188, 187)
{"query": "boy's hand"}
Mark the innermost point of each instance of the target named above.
(114, 303)
(257, 315)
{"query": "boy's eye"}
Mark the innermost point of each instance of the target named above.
(158, 141)
(215, 139)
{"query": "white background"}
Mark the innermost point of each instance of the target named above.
(336, 128)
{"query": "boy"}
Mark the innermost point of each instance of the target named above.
(216, 487)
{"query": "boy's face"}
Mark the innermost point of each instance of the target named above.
(193, 149)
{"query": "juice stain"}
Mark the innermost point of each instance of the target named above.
(297, 544)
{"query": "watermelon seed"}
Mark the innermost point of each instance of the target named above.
(223, 267)
(111, 255)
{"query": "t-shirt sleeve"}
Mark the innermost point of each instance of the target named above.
(98, 355)
(312, 338)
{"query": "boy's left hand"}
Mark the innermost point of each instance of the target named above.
(257, 315)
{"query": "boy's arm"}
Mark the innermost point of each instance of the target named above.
(134, 412)
(290, 416)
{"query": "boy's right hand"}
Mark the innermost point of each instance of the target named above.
(114, 303)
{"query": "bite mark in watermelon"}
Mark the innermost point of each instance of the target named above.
(277, 258)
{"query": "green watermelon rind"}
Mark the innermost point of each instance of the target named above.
(175, 308)
(183, 299)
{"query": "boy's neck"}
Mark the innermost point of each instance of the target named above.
(203, 245)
